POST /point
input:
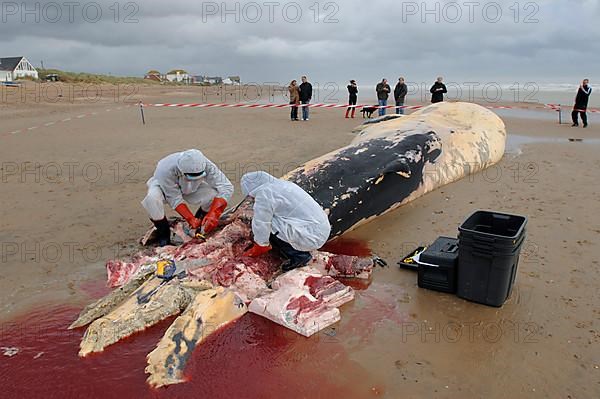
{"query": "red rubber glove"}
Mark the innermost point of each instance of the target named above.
(185, 212)
(257, 250)
(211, 220)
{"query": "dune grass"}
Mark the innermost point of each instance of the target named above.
(82, 77)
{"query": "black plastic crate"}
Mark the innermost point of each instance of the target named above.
(489, 248)
(493, 228)
(438, 265)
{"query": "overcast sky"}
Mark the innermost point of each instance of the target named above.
(545, 41)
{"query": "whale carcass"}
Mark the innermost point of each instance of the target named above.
(392, 162)
(388, 164)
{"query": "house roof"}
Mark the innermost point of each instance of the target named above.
(9, 63)
(175, 71)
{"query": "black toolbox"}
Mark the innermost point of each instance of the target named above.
(489, 248)
(438, 265)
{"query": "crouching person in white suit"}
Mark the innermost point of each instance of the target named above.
(187, 177)
(286, 218)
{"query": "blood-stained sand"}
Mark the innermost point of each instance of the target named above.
(70, 200)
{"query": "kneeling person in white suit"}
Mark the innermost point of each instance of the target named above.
(187, 177)
(286, 218)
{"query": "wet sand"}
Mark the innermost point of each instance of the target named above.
(70, 200)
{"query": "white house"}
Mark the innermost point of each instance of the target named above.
(179, 76)
(213, 80)
(230, 82)
(13, 68)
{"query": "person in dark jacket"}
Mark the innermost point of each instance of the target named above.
(305, 96)
(581, 103)
(383, 92)
(399, 95)
(438, 90)
(352, 97)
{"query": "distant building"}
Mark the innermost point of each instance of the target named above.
(179, 76)
(154, 75)
(213, 80)
(228, 81)
(182, 76)
(13, 68)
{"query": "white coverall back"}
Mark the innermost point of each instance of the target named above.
(285, 209)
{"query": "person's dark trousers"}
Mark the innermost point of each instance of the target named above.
(163, 232)
(351, 101)
(294, 112)
(575, 115)
(200, 214)
(305, 110)
(296, 258)
(399, 110)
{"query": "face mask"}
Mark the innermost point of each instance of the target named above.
(194, 176)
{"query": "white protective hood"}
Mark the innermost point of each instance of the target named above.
(173, 183)
(284, 208)
(191, 161)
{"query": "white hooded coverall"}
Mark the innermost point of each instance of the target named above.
(171, 186)
(285, 209)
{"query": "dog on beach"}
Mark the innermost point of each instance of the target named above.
(367, 112)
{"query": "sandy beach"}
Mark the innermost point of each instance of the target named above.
(71, 192)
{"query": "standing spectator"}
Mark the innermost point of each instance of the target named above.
(383, 92)
(305, 96)
(294, 99)
(352, 97)
(399, 95)
(581, 103)
(438, 90)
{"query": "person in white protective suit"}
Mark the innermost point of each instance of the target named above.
(187, 177)
(286, 218)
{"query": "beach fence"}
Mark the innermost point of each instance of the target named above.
(142, 106)
(553, 107)
(262, 106)
(557, 108)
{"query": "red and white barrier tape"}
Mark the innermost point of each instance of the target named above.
(555, 107)
(558, 107)
(246, 105)
(592, 110)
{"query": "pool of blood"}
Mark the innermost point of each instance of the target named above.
(348, 246)
(251, 358)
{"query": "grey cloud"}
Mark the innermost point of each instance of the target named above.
(370, 40)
